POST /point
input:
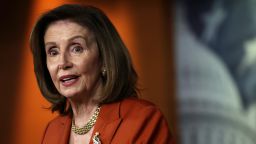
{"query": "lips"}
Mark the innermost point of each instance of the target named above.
(68, 80)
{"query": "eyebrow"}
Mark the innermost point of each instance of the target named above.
(72, 38)
(78, 36)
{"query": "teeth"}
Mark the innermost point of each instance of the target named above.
(65, 79)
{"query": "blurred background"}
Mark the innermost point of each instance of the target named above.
(215, 55)
(146, 28)
(196, 61)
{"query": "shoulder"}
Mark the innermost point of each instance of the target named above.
(136, 103)
(137, 106)
(55, 129)
(140, 110)
(58, 121)
(55, 123)
(145, 122)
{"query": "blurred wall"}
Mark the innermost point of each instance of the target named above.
(14, 18)
(145, 29)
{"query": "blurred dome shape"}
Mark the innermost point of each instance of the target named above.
(201, 73)
(209, 104)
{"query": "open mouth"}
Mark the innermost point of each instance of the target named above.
(68, 80)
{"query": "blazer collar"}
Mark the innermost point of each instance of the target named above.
(106, 125)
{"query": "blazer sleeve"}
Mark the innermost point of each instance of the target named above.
(154, 128)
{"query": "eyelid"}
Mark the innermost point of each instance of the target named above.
(81, 44)
(49, 47)
(52, 50)
(75, 46)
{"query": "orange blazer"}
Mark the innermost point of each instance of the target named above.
(131, 120)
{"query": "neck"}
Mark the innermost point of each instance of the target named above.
(84, 106)
(83, 112)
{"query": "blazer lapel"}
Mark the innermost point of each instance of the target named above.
(65, 125)
(106, 125)
(108, 122)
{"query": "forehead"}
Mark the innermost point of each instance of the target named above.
(65, 29)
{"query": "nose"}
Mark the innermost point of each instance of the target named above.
(65, 62)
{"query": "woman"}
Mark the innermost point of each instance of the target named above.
(84, 69)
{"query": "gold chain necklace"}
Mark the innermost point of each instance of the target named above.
(87, 127)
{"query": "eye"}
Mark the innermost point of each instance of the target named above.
(53, 51)
(77, 49)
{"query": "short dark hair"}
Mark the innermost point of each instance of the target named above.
(121, 78)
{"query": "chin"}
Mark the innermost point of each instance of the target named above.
(69, 94)
(69, 91)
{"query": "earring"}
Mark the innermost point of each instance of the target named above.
(104, 72)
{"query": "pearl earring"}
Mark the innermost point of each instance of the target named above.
(104, 72)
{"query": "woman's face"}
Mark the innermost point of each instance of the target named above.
(72, 58)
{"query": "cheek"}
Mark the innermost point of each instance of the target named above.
(51, 68)
(92, 65)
